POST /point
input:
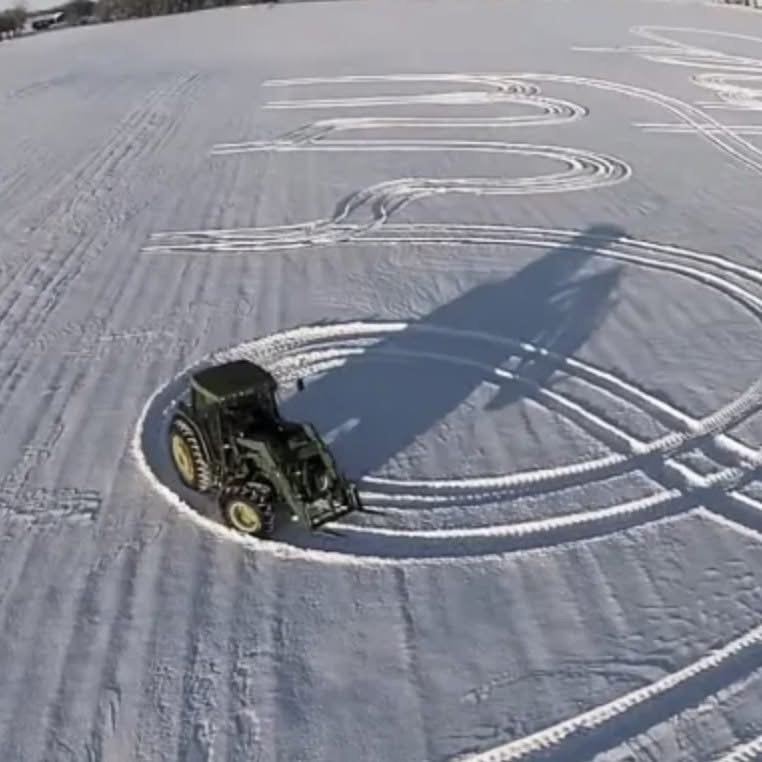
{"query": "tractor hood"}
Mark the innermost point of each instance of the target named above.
(294, 442)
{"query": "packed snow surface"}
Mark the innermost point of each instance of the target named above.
(513, 251)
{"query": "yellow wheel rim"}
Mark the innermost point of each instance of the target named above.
(183, 458)
(244, 516)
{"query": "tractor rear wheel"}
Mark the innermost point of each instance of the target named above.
(247, 508)
(188, 457)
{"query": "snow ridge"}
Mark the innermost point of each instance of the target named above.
(544, 740)
(747, 752)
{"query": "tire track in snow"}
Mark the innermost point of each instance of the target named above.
(521, 535)
(719, 135)
(385, 198)
(596, 730)
(14, 562)
(584, 169)
(195, 677)
(249, 684)
(319, 355)
(201, 718)
(79, 190)
(152, 712)
(44, 281)
(176, 680)
(286, 353)
(742, 511)
(35, 541)
(79, 179)
(113, 730)
(38, 506)
(664, 129)
(96, 340)
(631, 453)
(713, 425)
(493, 92)
(732, 77)
(246, 727)
(385, 203)
(747, 752)
(25, 660)
(725, 140)
(106, 589)
(108, 735)
(409, 657)
(494, 539)
(280, 650)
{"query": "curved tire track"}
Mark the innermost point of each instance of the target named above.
(318, 348)
(719, 135)
(383, 199)
(729, 75)
(747, 752)
(590, 732)
(584, 170)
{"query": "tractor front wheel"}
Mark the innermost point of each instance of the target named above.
(247, 508)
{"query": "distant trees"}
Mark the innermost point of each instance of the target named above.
(81, 11)
(76, 10)
(111, 10)
(12, 21)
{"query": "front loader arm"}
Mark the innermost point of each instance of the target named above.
(270, 469)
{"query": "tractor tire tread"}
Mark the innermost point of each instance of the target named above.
(200, 465)
(249, 493)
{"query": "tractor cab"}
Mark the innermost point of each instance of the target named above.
(240, 392)
(239, 384)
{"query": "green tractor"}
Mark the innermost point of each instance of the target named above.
(227, 438)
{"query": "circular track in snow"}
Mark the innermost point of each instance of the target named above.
(321, 349)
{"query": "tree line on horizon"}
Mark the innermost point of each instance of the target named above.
(13, 21)
(113, 10)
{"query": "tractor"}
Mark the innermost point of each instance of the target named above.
(228, 439)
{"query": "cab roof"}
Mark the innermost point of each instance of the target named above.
(232, 380)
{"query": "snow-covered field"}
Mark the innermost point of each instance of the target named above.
(513, 248)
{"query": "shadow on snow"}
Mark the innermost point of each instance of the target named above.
(379, 403)
(552, 303)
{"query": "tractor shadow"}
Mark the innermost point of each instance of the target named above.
(378, 404)
(392, 395)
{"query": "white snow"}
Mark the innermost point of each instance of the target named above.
(512, 250)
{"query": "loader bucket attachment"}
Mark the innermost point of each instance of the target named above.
(322, 511)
